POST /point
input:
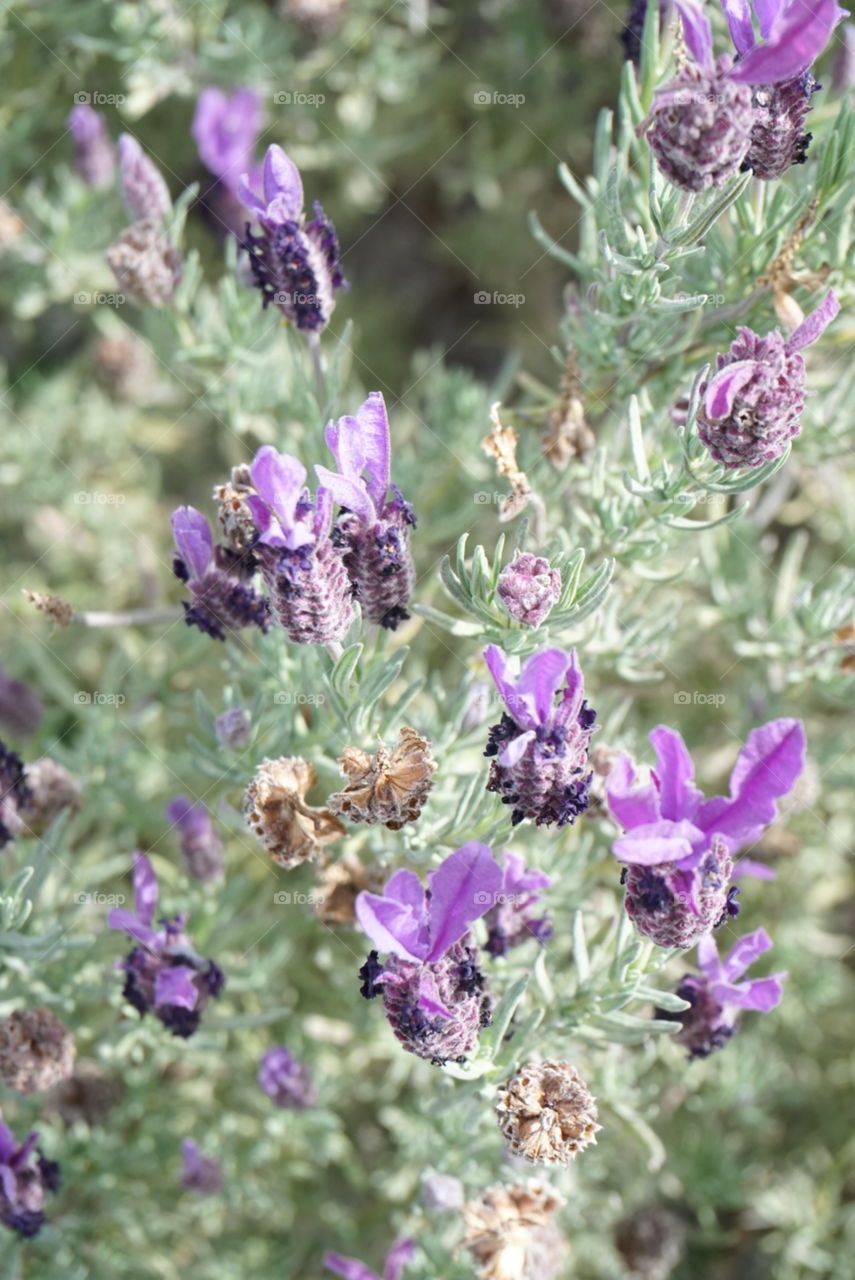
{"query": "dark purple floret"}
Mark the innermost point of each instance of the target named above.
(370, 973)
(702, 1029)
(14, 794)
(49, 1172)
(220, 598)
(651, 891)
(25, 1176)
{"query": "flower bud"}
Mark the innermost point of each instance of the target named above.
(291, 831)
(529, 588)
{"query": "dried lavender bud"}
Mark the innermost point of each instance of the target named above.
(234, 514)
(291, 831)
(145, 264)
(677, 907)
(388, 787)
(36, 1050)
(88, 1095)
(199, 1173)
(650, 1241)
(143, 185)
(546, 1113)
(529, 588)
(21, 708)
(51, 789)
(200, 844)
(442, 1193)
(123, 366)
(458, 988)
(94, 153)
(286, 1080)
(233, 728)
(778, 137)
(25, 1176)
(511, 1233)
(699, 127)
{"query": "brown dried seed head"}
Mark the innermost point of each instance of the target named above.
(389, 787)
(546, 1113)
(275, 810)
(60, 610)
(36, 1050)
(89, 1095)
(51, 789)
(511, 1233)
(234, 514)
(339, 885)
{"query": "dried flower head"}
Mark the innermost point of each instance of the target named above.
(511, 1233)
(291, 831)
(51, 789)
(650, 1241)
(565, 433)
(339, 885)
(124, 368)
(547, 1113)
(146, 265)
(36, 1050)
(60, 610)
(235, 517)
(389, 787)
(88, 1095)
(501, 444)
(529, 588)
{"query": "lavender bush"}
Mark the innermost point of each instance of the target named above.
(357, 555)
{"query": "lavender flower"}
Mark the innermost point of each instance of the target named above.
(516, 916)
(432, 988)
(701, 127)
(299, 560)
(25, 1176)
(398, 1257)
(163, 974)
(295, 263)
(94, 153)
(716, 995)
(750, 407)
(233, 728)
(225, 128)
(199, 1173)
(529, 588)
(200, 844)
(541, 750)
(373, 528)
(143, 185)
(14, 794)
(221, 601)
(286, 1080)
(678, 847)
(21, 708)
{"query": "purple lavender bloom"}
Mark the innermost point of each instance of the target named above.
(716, 995)
(225, 129)
(94, 152)
(716, 117)
(286, 1080)
(199, 1173)
(373, 528)
(200, 844)
(516, 915)
(14, 794)
(163, 974)
(21, 708)
(433, 991)
(541, 749)
(298, 557)
(678, 847)
(220, 600)
(750, 407)
(529, 588)
(143, 185)
(399, 1256)
(25, 1176)
(295, 263)
(233, 728)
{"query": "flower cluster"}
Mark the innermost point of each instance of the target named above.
(25, 1176)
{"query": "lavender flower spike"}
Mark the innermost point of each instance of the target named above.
(199, 1173)
(295, 263)
(299, 560)
(226, 128)
(220, 600)
(94, 153)
(750, 407)
(399, 1256)
(679, 847)
(541, 749)
(143, 185)
(163, 973)
(716, 995)
(286, 1080)
(432, 989)
(373, 528)
(200, 844)
(25, 1176)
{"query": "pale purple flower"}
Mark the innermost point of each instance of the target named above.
(200, 844)
(226, 128)
(233, 728)
(678, 846)
(199, 1172)
(21, 708)
(540, 744)
(374, 528)
(94, 152)
(750, 407)
(301, 565)
(285, 1080)
(432, 988)
(143, 185)
(221, 600)
(716, 995)
(163, 974)
(517, 916)
(295, 263)
(25, 1176)
(401, 1253)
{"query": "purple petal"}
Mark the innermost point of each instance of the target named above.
(796, 37)
(225, 129)
(392, 927)
(350, 1268)
(282, 184)
(678, 797)
(814, 325)
(348, 493)
(401, 1253)
(767, 11)
(246, 192)
(767, 768)
(518, 878)
(429, 996)
(572, 694)
(724, 387)
(461, 891)
(653, 843)
(145, 888)
(698, 33)
(748, 867)
(738, 14)
(119, 918)
(407, 889)
(744, 953)
(175, 986)
(373, 423)
(539, 680)
(761, 994)
(193, 540)
(279, 479)
(7, 1144)
(515, 749)
(497, 665)
(708, 959)
(633, 806)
